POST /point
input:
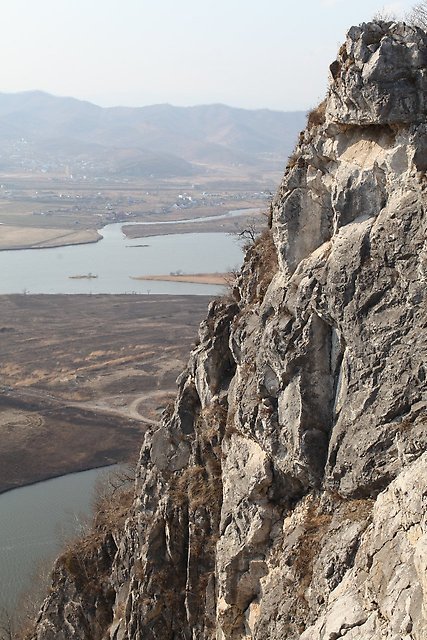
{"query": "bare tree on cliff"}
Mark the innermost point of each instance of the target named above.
(7, 627)
(418, 15)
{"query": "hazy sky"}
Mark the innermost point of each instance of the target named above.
(245, 53)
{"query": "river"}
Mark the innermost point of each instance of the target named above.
(116, 260)
(35, 521)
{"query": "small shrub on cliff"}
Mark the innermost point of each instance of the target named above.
(418, 15)
(113, 498)
(231, 293)
(196, 487)
(384, 15)
(7, 625)
(292, 160)
(316, 117)
(267, 265)
(211, 424)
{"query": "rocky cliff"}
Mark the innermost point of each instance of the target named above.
(284, 495)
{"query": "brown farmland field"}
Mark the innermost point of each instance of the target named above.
(83, 376)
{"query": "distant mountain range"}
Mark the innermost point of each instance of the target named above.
(41, 132)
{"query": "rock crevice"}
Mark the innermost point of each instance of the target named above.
(284, 494)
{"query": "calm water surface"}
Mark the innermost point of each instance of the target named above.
(34, 523)
(115, 259)
(34, 520)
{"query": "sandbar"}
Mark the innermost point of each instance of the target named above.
(33, 238)
(195, 278)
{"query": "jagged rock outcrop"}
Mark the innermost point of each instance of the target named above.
(284, 496)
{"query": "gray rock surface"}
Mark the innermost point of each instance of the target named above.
(380, 76)
(284, 496)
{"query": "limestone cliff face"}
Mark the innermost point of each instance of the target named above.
(285, 496)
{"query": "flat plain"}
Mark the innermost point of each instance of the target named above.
(82, 377)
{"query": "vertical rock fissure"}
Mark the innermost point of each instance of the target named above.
(284, 496)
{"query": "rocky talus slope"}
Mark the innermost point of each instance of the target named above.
(285, 494)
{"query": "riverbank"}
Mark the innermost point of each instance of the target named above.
(232, 225)
(16, 238)
(83, 376)
(13, 238)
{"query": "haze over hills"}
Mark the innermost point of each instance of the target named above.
(41, 132)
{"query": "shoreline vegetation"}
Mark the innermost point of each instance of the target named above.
(194, 278)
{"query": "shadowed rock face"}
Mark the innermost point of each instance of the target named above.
(284, 496)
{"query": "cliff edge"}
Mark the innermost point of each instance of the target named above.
(284, 495)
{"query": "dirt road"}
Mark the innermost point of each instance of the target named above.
(81, 377)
